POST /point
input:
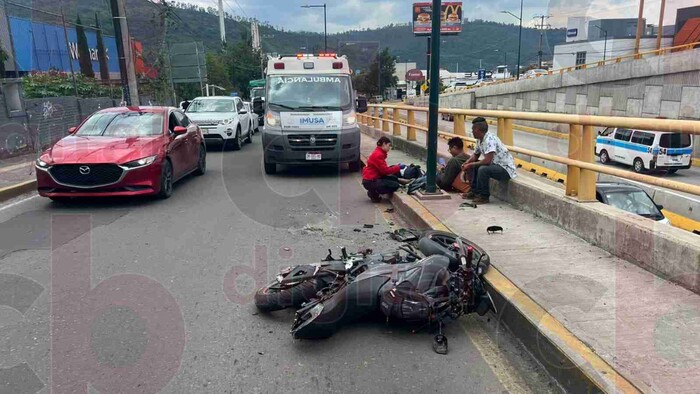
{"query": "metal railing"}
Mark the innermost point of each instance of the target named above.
(614, 60)
(581, 167)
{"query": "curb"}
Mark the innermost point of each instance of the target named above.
(13, 191)
(574, 365)
(571, 362)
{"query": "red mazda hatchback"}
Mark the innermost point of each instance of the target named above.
(125, 151)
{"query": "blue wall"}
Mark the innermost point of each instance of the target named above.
(42, 47)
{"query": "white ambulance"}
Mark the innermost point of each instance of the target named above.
(310, 115)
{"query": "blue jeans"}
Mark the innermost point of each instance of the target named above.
(482, 175)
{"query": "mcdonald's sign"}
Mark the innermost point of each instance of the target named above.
(451, 20)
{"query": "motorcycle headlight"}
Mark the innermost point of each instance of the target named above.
(141, 162)
(42, 164)
(272, 120)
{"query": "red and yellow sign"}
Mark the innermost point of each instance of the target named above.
(451, 20)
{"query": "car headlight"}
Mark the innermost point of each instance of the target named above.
(141, 162)
(226, 122)
(272, 120)
(350, 119)
(42, 164)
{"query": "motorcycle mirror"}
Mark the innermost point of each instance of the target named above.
(330, 256)
(344, 252)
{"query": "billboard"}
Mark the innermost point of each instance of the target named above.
(451, 21)
(42, 47)
(188, 62)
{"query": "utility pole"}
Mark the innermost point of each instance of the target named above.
(640, 27)
(661, 24)
(542, 28)
(126, 61)
(70, 60)
(434, 100)
(222, 22)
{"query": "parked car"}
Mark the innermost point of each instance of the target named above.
(645, 150)
(535, 73)
(254, 118)
(124, 151)
(630, 198)
(222, 118)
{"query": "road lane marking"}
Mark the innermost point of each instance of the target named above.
(14, 204)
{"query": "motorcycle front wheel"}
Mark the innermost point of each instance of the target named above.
(274, 297)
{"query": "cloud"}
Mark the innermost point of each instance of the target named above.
(357, 14)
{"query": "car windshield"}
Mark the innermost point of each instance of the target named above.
(636, 202)
(125, 124)
(674, 140)
(310, 92)
(212, 105)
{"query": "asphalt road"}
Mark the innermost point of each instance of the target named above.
(142, 295)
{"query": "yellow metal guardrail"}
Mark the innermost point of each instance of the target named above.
(581, 169)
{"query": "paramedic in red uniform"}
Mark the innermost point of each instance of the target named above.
(379, 178)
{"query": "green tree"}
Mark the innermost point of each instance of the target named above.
(244, 64)
(101, 51)
(3, 59)
(385, 66)
(83, 51)
(217, 71)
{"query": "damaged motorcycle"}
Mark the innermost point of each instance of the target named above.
(446, 284)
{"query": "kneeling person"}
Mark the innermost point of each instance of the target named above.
(497, 163)
(379, 178)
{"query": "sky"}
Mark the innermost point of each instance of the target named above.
(357, 14)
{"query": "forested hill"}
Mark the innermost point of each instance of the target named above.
(480, 40)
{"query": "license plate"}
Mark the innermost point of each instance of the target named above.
(313, 156)
(674, 159)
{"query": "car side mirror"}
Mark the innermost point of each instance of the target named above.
(600, 132)
(258, 106)
(179, 130)
(72, 130)
(661, 207)
(361, 105)
(243, 112)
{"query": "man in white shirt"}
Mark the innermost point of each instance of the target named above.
(497, 163)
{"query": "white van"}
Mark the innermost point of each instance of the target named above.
(645, 150)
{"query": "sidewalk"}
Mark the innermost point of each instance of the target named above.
(645, 328)
(15, 173)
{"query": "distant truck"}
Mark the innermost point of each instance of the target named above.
(310, 112)
(257, 94)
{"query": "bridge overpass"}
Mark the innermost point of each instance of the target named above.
(592, 281)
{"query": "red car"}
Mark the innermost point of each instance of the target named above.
(125, 151)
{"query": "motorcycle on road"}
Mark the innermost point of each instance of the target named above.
(446, 284)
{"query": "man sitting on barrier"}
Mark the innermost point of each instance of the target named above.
(377, 177)
(448, 175)
(497, 163)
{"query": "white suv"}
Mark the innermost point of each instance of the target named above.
(222, 118)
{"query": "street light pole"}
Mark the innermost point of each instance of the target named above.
(325, 22)
(520, 39)
(520, 34)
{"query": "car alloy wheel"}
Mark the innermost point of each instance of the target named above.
(604, 158)
(202, 162)
(166, 180)
(638, 165)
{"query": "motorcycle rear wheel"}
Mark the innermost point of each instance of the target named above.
(270, 298)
